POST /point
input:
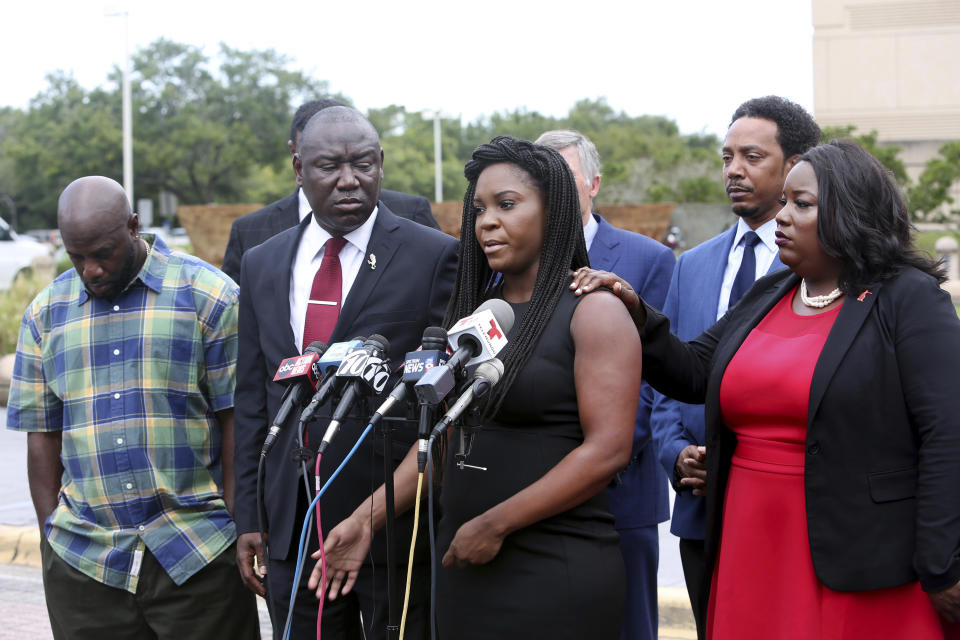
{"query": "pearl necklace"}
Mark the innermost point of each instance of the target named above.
(817, 302)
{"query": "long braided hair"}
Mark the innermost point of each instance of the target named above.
(563, 249)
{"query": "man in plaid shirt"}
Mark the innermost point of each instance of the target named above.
(124, 381)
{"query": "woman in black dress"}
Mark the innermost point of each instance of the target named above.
(527, 539)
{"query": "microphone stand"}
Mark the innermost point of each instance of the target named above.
(393, 621)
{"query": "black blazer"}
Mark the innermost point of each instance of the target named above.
(406, 292)
(255, 228)
(882, 475)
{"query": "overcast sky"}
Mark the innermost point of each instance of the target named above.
(691, 60)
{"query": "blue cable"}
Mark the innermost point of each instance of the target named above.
(306, 523)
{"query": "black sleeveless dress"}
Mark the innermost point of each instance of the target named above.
(562, 577)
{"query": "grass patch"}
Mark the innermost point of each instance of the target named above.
(12, 305)
(926, 240)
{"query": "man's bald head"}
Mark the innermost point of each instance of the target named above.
(100, 234)
(339, 116)
(92, 205)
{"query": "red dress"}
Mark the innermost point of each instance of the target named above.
(764, 585)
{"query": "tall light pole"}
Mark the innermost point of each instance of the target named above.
(437, 159)
(127, 106)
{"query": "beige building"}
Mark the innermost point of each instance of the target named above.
(892, 66)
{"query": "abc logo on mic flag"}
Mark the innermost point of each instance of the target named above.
(292, 367)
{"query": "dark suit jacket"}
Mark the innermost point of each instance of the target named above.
(882, 471)
(638, 496)
(691, 306)
(406, 292)
(255, 228)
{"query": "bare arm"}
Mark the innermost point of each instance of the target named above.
(586, 280)
(607, 378)
(225, 419)
(347, 544)
(44, 472)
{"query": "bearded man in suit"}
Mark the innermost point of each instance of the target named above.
(765, 138)
(394, 278)
(254, 228)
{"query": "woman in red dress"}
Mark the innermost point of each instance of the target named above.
(833, 421)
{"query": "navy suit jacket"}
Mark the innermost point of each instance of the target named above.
(255, 228)
(881, 477)
(406, 292)
(691, 306)
(638, 495)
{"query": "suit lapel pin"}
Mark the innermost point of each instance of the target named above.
(863, 295)
(372, 261)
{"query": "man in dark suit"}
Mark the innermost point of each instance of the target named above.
(638, 497)
(254, 228)
(764, 140)
(396, 278)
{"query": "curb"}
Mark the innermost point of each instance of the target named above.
(676, 618)
(20, 545)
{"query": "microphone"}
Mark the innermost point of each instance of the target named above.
(487, 375)
(328, 364)
(416, 365)
(481, 335)
(476, 338)
(365, 367)
(294, 372)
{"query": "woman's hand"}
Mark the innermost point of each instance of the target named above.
(586, 279)
(345, 548)
(476, 542)
(947, 603)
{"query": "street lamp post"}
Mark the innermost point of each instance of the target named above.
(437, 159)
(127, 106)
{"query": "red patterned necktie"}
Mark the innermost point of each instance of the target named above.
(323, 307)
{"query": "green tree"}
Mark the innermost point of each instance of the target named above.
(202, 132)
(933, 186)
(888, 155)
(67, 132)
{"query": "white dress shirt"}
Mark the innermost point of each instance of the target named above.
(764, 251)
(590, 231)
(305, 207)
(353, 256)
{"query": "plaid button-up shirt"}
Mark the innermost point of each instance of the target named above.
(133, 385)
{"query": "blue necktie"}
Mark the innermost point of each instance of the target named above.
(748, 268)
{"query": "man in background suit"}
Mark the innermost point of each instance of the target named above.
(638, 496)
(765, 138)
(254, 228)
(396, 279)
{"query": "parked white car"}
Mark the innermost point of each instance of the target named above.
(22, 256)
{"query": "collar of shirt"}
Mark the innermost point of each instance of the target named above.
(590, 231)
(307, 261)
(305, 208)
(764, 251)
(767, 233)
(153, 270)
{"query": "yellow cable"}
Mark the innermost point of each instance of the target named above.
(413, 542)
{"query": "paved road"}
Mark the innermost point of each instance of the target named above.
(22, 607)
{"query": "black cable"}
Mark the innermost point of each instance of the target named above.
(261, 521)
